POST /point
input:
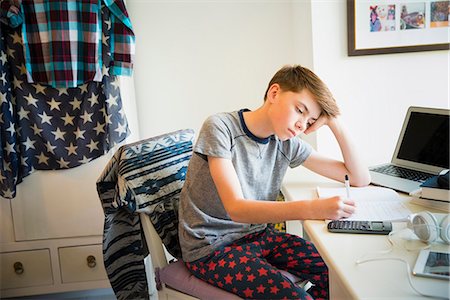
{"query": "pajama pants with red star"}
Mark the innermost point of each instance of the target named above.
(250, 267)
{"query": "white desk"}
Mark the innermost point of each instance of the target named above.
(386, 279)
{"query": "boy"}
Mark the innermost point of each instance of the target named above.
(237, 167)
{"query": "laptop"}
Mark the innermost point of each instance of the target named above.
(422, 151)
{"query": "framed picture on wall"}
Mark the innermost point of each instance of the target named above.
(393, 26)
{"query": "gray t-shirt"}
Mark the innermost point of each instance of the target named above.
(260, 165)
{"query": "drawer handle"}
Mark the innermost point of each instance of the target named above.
(91, 261)
(18, 267)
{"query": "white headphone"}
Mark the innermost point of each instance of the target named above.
(429, 227)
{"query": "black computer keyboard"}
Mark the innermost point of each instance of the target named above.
(402, 173)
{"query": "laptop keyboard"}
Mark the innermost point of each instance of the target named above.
(402, 173)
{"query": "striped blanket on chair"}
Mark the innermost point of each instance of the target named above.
(146, 176)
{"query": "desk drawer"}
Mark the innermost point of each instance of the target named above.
(82, 263)
(25, 269)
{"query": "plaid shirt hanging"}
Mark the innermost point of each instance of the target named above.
(47, 128)
(63, 41)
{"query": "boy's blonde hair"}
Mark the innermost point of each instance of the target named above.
(296, 78)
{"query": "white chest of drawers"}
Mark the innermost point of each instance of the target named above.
(51, 234)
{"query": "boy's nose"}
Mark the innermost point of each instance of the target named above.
(300, 125)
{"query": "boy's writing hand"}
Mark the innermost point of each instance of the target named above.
(334, 208)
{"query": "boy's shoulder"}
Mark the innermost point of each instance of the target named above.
(223, 118)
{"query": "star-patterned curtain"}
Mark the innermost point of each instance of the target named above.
(46, 128)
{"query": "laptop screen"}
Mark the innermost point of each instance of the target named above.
(426, 140)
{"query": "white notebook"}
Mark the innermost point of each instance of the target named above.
(372, 203)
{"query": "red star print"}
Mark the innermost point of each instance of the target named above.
(290, 251)
(265, 252)
(274, 290)
(316, 277)
(285, 284)
(239, 276)
(228, 279)
(235, 290)
(231, 255)
(278, 239)
(202, 271)
(270, 281)
(248, 293)
(307, 261)
(243, 259)
(301, 254)
(284, 245)
(222, 263)
(212, 266)
(194, 268)
(251, 277)
(262, 272)
(239, 248)
(220, 284)
(260, 289)
(232, 264)
(292, 264)
(295, 244)
(216, 276)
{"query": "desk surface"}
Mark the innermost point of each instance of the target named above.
(384, 279)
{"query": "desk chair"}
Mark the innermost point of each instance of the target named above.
(173, 280)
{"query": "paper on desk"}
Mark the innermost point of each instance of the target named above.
(372, 203)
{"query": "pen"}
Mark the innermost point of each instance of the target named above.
(347, 186)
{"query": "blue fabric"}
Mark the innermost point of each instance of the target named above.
(46, 128)
(146, 176)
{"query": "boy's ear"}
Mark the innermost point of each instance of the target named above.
(274, 90)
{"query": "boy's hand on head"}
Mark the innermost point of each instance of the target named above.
(322, 120)
(334, 208)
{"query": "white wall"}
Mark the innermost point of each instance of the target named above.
(196, 58)
(373, 91)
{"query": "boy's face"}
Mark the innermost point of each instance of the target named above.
(292, 113)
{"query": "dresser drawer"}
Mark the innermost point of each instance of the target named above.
(25, 269)
(82, 263)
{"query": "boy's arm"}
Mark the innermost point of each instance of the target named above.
(253, 211)
(334, 169)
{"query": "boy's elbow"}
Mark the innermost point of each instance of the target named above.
(235, 212)
(362, 180)
(235, 216)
